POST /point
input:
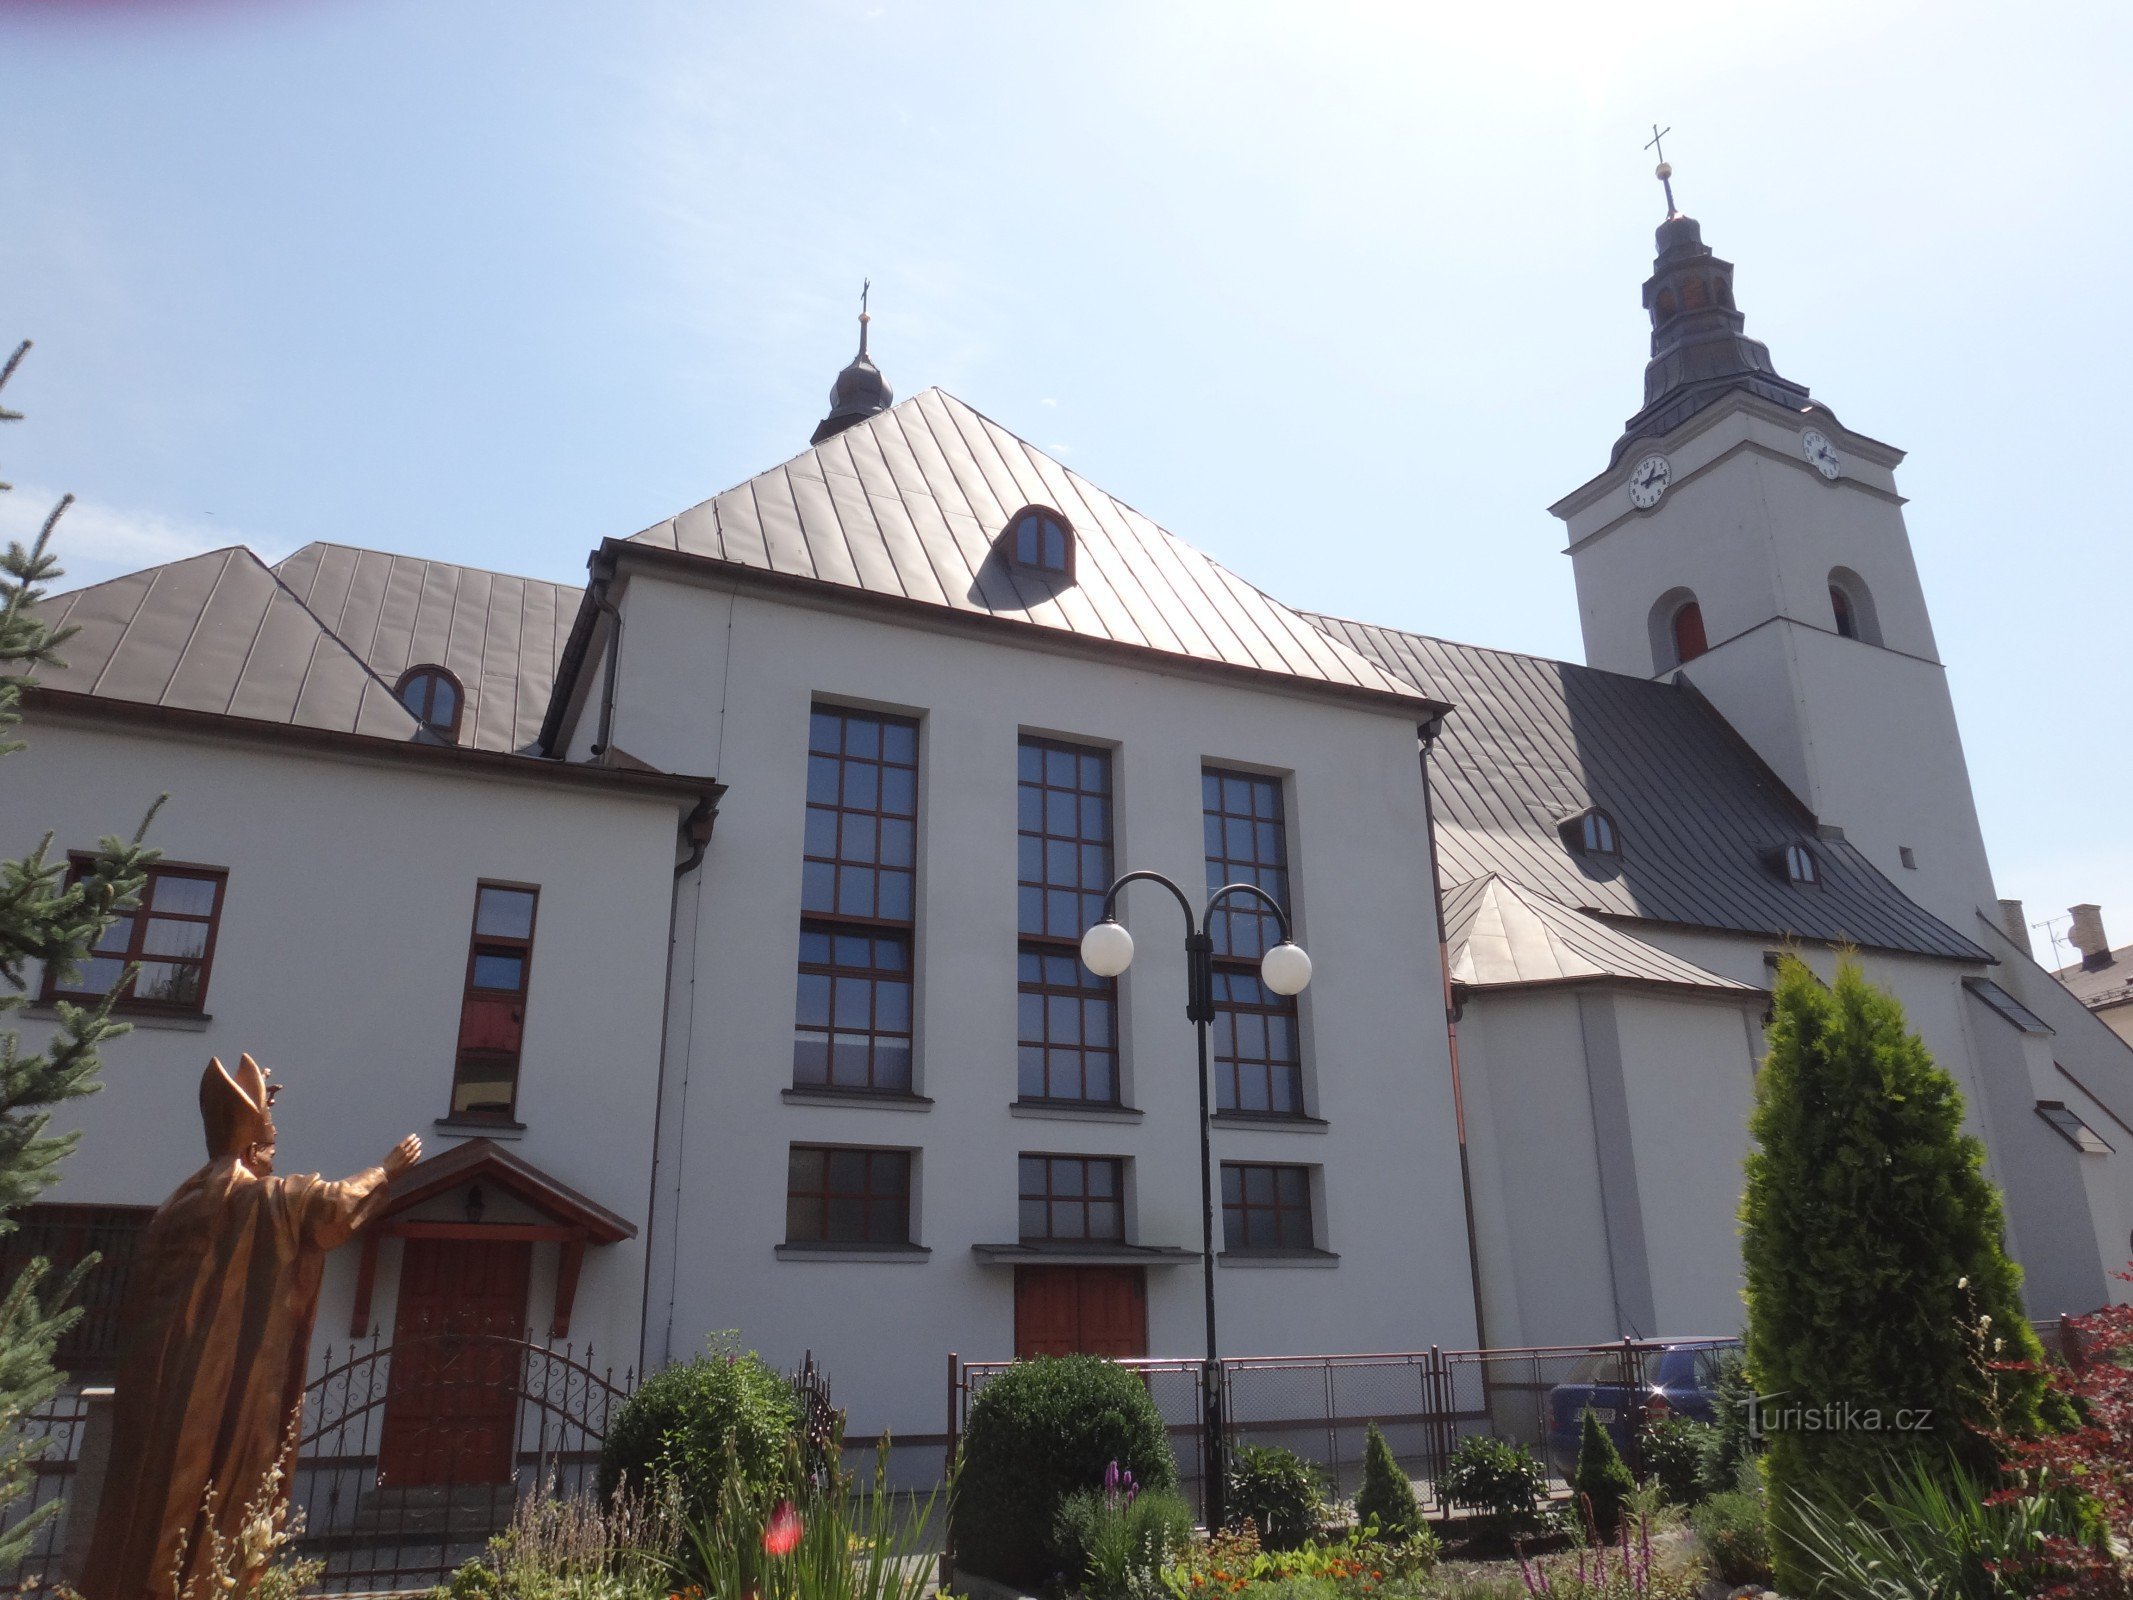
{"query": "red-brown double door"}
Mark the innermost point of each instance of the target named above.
(452, 1407)
(1094, 1311)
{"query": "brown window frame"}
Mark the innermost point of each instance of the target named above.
(140, 912)
(430, 673)
(1011, 542)
(1237, 1214)
(62, 1235)
(1049, 975)
(471, 992)
(1225, 864)
(1049, 1196)
(859, 831)
(867, 1194)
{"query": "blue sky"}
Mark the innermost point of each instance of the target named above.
(1345, 294)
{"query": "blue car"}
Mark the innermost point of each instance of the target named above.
(1679, 1379)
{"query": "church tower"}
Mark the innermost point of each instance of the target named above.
(1744, 540)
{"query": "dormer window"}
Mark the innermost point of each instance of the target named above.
(434, 696)
(1039, 539)
(1591, 832)
(1800, 864)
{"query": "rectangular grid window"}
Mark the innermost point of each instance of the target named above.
(1071, 1198)
(1266, 1207)
(492, 1008)
(838, 1195)
(1068, 1017)
(1258, 1057)
(63, 1236)
(171, 933)
(858, 891)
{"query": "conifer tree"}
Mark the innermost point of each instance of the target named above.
(1880, 1294)
(1387, 1494)
(42, 918)
(1602, 1480)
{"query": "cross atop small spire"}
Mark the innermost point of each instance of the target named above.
(1663, 172)
(866, 286)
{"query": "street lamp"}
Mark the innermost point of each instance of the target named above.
(1107, 951)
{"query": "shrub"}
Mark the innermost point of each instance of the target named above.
(678, 1426)
(1873, 1248)
(1112, 1542)
(1278, 1492)
(1387, 1497)
(1040, 1431)
(1499, 1479)
(1730, 1448)
(1602, 1478)
(1672, 1450)
(1730, 1527)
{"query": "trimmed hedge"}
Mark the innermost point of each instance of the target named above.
(678, 1423)
(1040, 1431)
(1277, 1492)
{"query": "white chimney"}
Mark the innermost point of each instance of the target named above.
(2087, 936)
(2015, 925)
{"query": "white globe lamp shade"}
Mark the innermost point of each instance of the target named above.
(1107, 949)
(1286, 968)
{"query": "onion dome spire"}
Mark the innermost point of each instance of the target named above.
(860, 390)
(1699, 351)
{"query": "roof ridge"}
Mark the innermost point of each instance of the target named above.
(428, 561)
(1491, 649)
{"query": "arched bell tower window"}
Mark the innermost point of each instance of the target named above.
(1039, 539)
(435, 697)
(1676, 630)
(1851, 605)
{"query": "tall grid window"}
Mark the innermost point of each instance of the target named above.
(858, 887)
(492, 1007)
(1071, 1198)
(1068, 1017)
(1266, 1207)
(170, 932)
(1258, 1059)
(838, 1195)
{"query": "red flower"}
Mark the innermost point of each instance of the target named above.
(783, 1532)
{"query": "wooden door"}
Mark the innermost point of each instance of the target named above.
(1095, 1311)
(452, 1406)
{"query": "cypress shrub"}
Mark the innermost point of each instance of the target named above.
(1602, 1479)
(1039, 1432)
(1387, 1494)
(1877, 1281)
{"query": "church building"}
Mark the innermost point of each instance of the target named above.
(716, 924)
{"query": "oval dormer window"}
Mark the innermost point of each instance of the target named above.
(433, 694)
(1039, 539)
(1592, 833)
(1800, 864)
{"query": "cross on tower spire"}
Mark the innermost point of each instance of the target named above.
(1664, 172)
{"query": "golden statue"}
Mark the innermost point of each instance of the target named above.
(217, 1332)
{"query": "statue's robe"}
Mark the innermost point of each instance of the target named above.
(216, 1333)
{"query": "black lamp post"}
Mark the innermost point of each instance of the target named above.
(1107, 950)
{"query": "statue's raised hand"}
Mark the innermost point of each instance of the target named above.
(402, 1156)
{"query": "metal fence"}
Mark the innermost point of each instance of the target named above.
(53, 1432)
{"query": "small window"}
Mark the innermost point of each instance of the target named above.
(2009, 1008)
(1801, 865)
(1073, 1198)
(838, 1195)
(1041, 540)
(1907, 856)
(1266, 1207)
(2068, 1125)
(1592, 833)
(1841, 606)
(1689, 639)
(435, 697)
(1666, 305)
(64, 1237)
(492, 1009)
(170, 932)
(1851, 607)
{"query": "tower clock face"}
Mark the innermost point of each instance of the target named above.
(1648, 481)
(1821, 454)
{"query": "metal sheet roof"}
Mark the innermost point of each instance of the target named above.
(910, 502)
(1532, 741)
(1499, 935)
(501, 636)
(220, 633)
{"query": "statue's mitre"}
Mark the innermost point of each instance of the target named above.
(233, 1109)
